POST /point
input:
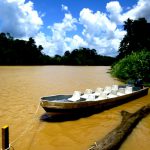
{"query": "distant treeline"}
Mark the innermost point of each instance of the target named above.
(82, 56)
(21, 52)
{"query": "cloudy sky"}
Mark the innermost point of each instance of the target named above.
(60, 25)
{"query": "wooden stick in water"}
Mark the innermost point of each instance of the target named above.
(114, 139)
(5, 137)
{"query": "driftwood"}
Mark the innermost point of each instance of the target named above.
(115, 138)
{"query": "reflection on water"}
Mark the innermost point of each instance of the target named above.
(21, 89)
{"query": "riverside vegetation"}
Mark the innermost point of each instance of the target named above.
(133, 60)
(136, 65)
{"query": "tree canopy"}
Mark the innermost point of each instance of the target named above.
(85, 56)
(137, 37)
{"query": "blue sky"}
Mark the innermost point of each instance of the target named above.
(54, 13)
(60, 25)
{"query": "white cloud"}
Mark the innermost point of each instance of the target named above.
(141, 9)
(114, 7)
(64, 7)
(45, 41)
(58, 42)
(95, 23)
(100, 31)
(115, 10)
(59, 32)
(19, 18)
(75, 42)
(59, 29)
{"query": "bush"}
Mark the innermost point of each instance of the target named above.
(136, 65)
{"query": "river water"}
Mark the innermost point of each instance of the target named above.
(20, 92)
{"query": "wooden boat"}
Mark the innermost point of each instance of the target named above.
(58, 105)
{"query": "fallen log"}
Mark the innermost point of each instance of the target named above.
(114, 139)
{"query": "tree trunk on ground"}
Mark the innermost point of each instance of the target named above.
(115, 138)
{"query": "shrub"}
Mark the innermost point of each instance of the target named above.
(136, 65)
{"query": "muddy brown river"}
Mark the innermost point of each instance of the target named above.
(20, 92)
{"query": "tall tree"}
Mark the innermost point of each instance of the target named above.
(136, 38)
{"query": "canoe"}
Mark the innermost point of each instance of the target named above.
(59, 105)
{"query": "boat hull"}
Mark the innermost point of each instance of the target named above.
(85, 108)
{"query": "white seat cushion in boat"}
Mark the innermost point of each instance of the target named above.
(120, 94)
(86, 93)
(114, 87)
(107, 89)
(121, 91)
(90, 97)
(111, 96)
(128, 90)
(75, 96)
(102, 96)
(98, 91)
